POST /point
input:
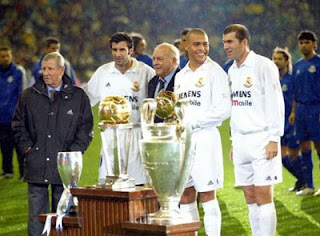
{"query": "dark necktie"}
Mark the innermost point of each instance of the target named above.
(161, 85)
(53, 94)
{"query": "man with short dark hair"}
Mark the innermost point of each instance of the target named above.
(306, 106)
(139, 48)
(257, 123)
(51, 116)
(184, 56)
(12, 82)
(124, 76)
(52, 44)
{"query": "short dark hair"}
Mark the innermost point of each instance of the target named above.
(185, 31)
(120, 37)
(50, 40)
(307, 35)
(5, 48)
(241, 31)
(136, 39)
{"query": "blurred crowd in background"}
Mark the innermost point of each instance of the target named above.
(84, 26)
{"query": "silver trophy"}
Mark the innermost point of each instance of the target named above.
(168, 154)
(70, 168)
(115, 113)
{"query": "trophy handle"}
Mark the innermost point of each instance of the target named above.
(148, 111)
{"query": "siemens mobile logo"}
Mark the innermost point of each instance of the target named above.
(132, 98)
(193, 95)
(190, 94)
(241, 94)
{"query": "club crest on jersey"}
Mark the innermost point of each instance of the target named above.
(312, 69)
(248, 82)
(136, 86)
(284, 88)
(10, 79)
(200, 82)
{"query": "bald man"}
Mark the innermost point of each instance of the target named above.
(205, 84)
(165, 63)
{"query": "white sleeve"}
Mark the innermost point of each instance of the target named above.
(274, 103)
(92, 88)
(220, 108)
(150, 73)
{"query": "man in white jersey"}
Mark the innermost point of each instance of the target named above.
(127, 77)
(206, 85)
(257, 123)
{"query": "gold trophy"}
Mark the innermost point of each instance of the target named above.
(115, 114)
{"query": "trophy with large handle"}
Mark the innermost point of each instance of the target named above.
(167, 153)
(114, 125)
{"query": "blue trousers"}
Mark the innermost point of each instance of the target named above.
(38, 200)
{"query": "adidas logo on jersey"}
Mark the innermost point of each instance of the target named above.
(210, 182)
(269, 178)
(70, 112)
(108, 84)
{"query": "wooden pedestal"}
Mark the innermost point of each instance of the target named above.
(103, 211)
(146, 229)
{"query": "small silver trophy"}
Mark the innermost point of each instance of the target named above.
(70, 168)
(115, 113)
(168, 154)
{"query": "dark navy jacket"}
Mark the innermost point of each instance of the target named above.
(47, 128)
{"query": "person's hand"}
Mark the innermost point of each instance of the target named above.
(271, 150)
(231, 154)
(27, 150)
(292, 118)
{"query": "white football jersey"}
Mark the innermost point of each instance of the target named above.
(208, 91)
(133, 84)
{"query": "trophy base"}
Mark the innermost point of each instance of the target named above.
(73, 211)
(169, 217)
(117, 183)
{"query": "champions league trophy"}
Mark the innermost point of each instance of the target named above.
(69, 168)
(115, 113)
(168, 154)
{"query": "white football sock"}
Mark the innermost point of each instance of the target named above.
(267, 219)
(254, 218)
(191, 209)
(212, 217)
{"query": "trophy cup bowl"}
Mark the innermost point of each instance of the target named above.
(69, 168)
(168, 154)
(115, 114)
(165, 105)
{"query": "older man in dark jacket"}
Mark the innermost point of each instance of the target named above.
(50, 117)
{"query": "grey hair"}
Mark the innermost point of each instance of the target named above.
(174, 51)
(57, 56)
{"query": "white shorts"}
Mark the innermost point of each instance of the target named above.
(251, 166)
(207, 170)
(128, 141)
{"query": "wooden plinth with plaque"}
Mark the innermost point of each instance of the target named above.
(148, 229)
(103, 211)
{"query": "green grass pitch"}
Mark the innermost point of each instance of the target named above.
(296, 215)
